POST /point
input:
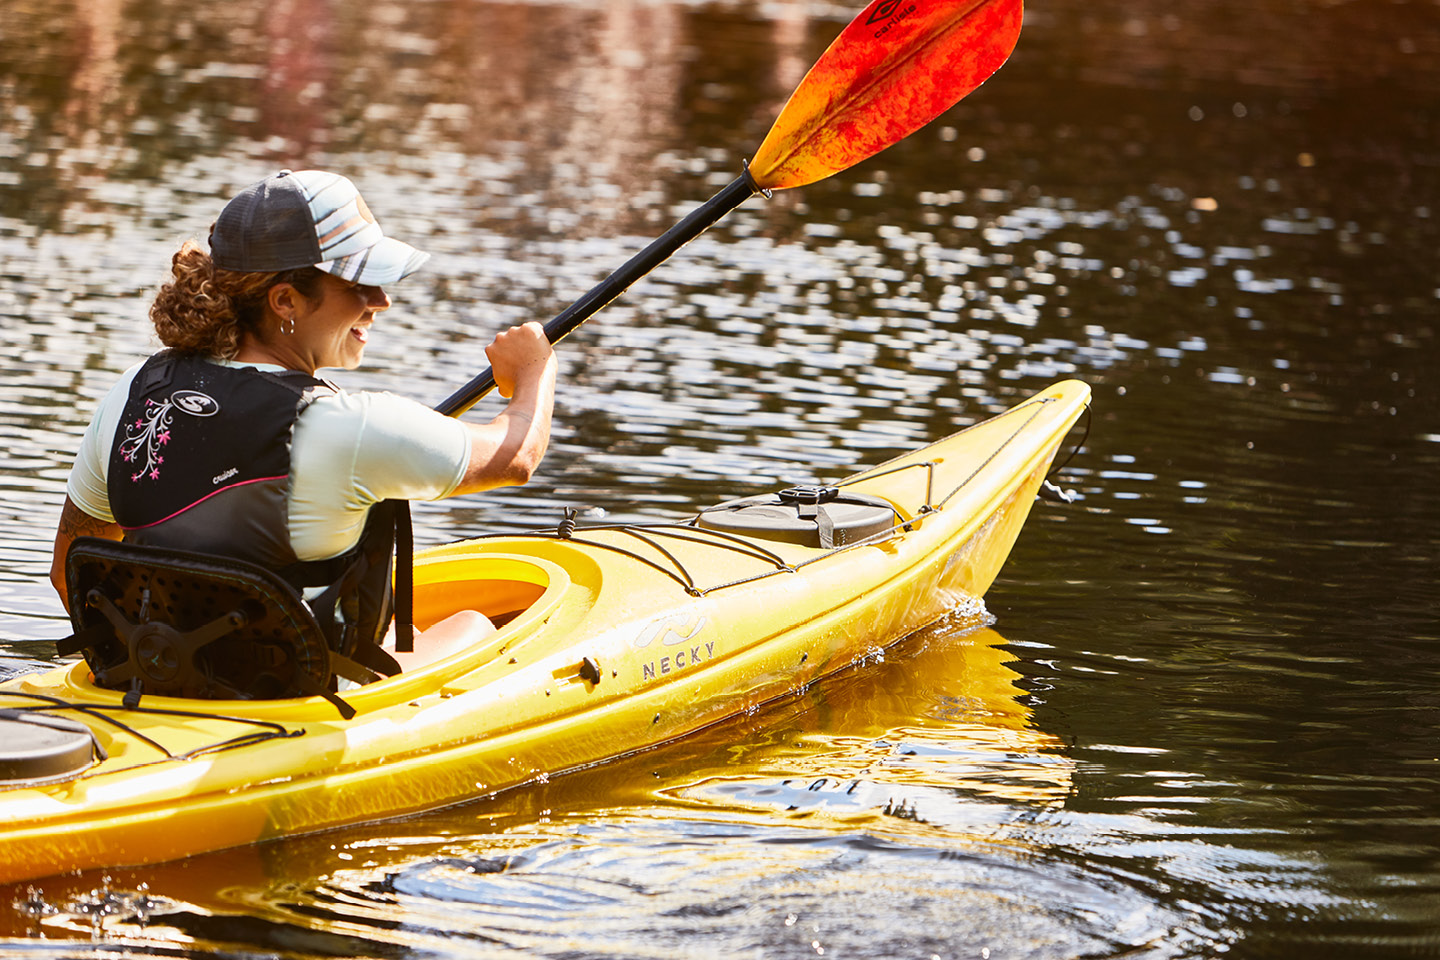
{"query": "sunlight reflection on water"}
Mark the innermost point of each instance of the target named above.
(1222, 218)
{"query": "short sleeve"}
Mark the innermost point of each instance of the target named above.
(352, 450)
(86, 486)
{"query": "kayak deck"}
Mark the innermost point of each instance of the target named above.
(611, 640)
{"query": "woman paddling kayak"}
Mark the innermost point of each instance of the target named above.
(226, 443)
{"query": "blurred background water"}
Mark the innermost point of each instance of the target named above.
(1206, 720)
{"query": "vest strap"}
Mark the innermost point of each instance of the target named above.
(404, 578)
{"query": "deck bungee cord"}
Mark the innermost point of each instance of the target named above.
(106, 713)
(651, 534)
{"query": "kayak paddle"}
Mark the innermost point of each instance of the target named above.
(897, 66)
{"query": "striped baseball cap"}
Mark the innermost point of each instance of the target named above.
(308, 218)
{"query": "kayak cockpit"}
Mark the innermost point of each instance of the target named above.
(501, 589)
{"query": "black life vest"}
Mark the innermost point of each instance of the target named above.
(201, 462)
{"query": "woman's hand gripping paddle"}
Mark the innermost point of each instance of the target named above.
(897, 66)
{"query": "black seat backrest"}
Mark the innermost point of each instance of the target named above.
(174, 623)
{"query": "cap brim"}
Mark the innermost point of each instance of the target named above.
(384, 262)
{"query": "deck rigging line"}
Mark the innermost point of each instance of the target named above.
(267, 730)
(651, 534)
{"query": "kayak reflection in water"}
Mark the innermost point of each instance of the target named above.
(226, 443)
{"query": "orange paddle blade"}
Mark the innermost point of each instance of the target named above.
(897, 66)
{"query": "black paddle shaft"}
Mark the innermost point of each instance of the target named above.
(697, 222)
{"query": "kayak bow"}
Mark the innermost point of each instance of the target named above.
(612, 639)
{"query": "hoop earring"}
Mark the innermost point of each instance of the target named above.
(287, 326)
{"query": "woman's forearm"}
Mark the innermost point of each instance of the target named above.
(75, 523)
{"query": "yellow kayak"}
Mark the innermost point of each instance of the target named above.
(612, 639)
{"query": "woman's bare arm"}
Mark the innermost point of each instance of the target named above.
(508, 449)
(75, 523)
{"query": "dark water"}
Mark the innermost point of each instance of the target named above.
(1207, 720)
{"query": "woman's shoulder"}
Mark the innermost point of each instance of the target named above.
(119, 390)
(376, 413)
(339, 402)
(386, 444)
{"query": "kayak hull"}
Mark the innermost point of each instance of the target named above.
(613, 640)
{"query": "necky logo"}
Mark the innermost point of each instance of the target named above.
(195, 403)
(882, 11)
(671, 631)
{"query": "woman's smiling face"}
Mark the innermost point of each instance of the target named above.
(332, 331)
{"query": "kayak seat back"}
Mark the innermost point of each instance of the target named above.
(153, 620)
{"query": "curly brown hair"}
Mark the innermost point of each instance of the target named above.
(206, 310)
